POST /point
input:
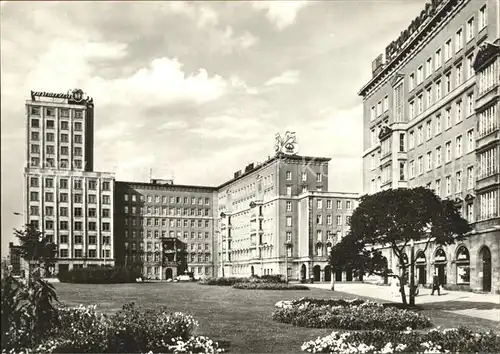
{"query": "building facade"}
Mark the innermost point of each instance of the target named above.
(63, 197)
(272, 219)
(431, 119)
(147, 214)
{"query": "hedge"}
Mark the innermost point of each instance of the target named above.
(99, 275)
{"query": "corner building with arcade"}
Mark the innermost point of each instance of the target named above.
(431, 118)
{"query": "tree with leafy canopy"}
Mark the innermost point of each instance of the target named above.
(395, 218)
(35, 248)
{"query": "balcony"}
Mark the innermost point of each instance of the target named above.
(487, 179)
(487, 137)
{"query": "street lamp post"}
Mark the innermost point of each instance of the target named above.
(412, 273)
(286, 262)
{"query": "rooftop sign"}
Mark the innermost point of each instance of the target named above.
(75, 96)
(396, 46)
(286, 145)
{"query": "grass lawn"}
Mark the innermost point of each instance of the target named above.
(238, 319)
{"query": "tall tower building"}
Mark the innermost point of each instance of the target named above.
(64, 198)
(431, 118)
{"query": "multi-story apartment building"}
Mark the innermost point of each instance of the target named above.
(63, 197)
(149, 213)
(278, 218)
(431, 119)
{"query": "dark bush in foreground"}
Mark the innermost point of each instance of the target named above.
(99, 275)
(347, 315)
(269, 286)
(222, 281)
(461, 340)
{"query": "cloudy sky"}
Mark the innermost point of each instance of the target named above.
(196, 89)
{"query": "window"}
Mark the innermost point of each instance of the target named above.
(438, 156)
(402, 167)
(428, 67)
(428, 128)
(437, 59)
(50, 137)
(448, 185)
(420, 135)
(50, 149)
(35, 136)
(379, 108)
(319, 219)
(50, 124)
(459, 40)
(488, 77)
(288, 221)
(412, 140)
(401, 144)
(63, 253)
(339, 220)
(420, 75)
(470, 141)
(373, 114)
(470, 177)
(373, 137)
(398, 103)
(420, 104)
(448, 151)
(78, 126)
(420, 162)
(35, 111)
(438, 90)
(348, 204)
(78, 139)
(438, 124)
(35, 148)
(458, 75)
(412, 110)
(458, 146)
(34, 181)
(288, 206)
(470, 104)
(411, 83)
(319, 177)
(470, 29)
(447, 118)
(447, 50)
(458, 111)
(34, 210)
(447, 83)
(438, 187)
(63, 211)
(470, 68)
(428, 96)
(329, 204)
(488, 121)
(386, 103)
(458, 182)
(288, 175)
(288, 190)
(483, 18)
(488, 205)
(105, 186)
(339, 204)
(488, 162)
(78, 226)
(429, 160)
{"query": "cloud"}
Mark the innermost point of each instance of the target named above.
(207, 17)
(288, 77)
(173, 125)
(281, 13)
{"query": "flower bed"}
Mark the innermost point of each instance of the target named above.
(355, 314)
(99, 275)
(230, 281)
(130, 330)
(268, 286)
(433, 341)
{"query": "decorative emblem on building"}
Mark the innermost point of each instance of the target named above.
(77, 95)
(286, 145)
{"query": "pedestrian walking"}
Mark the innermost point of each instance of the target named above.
(435, 284)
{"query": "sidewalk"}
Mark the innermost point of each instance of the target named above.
(485, 306)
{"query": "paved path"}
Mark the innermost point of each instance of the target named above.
(486, 305)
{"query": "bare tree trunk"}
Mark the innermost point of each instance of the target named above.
(332, 280)
(402, 286)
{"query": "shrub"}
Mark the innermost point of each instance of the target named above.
(230, 281)
(433, 341)
(268, 286)
(354, 314)
(100, 275)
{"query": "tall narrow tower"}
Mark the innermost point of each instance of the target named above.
(64, 197)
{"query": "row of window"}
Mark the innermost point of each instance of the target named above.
(171, 233)
(78, 239)
(63, 183)
(50, 150)
(50, 124)
(51, 112)
(319, 176)
(319, 220)
(50, 137)
(171, 222)
(77, 212)
(77, 253)
(64, 198)
(50, 163)
(77, 225)
(166, 211)
(319, 204)
(488, 162)
(164, 199)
